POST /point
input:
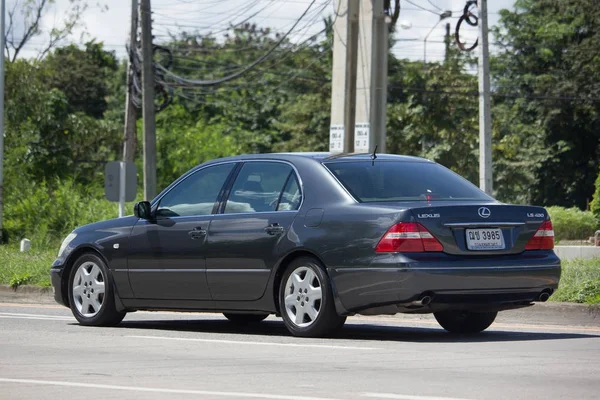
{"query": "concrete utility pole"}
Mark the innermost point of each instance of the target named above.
(371, 87)
(2, 45)
(129, 141)
(485, 114)
(148, 108)
(343, 91)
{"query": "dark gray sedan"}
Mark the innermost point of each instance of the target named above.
(313, 237)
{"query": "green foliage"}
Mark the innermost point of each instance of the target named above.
(45, 212)
(595, 204)
(572, 223)
(579, 282)
(83, 76)
(20, 280)
(30, 268)
(546, 112)
(432, 113)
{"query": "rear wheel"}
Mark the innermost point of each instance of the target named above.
(245, 318)
(91, 295)
(459, 321)
(306, 300)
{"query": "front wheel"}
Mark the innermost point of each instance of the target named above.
(91, 295)
(306, 300)
(458, 321)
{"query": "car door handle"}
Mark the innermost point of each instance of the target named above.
(274, 229)
(197, 233)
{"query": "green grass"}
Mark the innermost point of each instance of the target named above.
(579, 282)
(30, 268)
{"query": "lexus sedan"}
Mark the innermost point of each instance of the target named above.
(313, 238)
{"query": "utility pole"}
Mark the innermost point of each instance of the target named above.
(2, 45)
(447, 42)
(129, 142)
(343, 92)
(371, 87)
(148, 108)
(485, 114)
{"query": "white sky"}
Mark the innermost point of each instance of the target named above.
(112, 26)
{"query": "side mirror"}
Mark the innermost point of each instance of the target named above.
(142, 210)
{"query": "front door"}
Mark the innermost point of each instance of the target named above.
(167, 255)
(255, 222)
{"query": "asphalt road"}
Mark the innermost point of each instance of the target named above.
(44, 354)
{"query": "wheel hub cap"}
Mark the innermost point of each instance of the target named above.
(88, 289)
(303, 294)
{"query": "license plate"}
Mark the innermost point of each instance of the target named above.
(485, 239)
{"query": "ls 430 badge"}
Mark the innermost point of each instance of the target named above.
(535, 215)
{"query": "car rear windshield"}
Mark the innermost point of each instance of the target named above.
(403, 181)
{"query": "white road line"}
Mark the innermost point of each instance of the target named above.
(161, 390)
(33, 315)
(405, 397)
(35, 318)
(318, 346)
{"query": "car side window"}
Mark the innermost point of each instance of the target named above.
(258, 187)
(195, 195)
(291, 196)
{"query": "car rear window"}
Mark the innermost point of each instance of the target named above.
(403, 181)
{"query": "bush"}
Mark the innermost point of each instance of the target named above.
(579, 282)
(572, 223)
(595, 204)
(46, 213)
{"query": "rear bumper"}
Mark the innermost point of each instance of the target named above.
(483, 283)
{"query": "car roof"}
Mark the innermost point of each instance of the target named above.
(322, 157)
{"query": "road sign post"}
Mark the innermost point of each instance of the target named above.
(120, 183)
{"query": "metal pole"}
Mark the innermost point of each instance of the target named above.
(379, 79)
(485, 114)
(122, 188)
(148, 107)
(2, 44)
(130, 110)
(351, 72)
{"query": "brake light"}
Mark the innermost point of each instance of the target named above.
(408, 237)
(543, 238)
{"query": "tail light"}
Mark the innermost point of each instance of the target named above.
(408, 237)
(543, 238)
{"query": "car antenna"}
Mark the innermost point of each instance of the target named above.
(374, 156)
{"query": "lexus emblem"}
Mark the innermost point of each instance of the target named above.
(484, 212)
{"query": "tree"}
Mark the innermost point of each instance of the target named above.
(548, 93)
(83, 75)
(25, 23)
(432, 112)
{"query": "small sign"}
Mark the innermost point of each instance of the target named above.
(362, 136)
(336, 138)
(112, 176)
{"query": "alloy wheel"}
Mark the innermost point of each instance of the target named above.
(303, 294)
(89, 289)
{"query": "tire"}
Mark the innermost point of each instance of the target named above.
(243, 319)
(457, 321)
(91, 293)
(304, 316)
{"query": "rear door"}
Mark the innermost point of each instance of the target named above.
(243, 241)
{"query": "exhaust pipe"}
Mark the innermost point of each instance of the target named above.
(423, 301)
(543, 297)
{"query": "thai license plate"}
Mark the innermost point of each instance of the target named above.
(485, 239)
